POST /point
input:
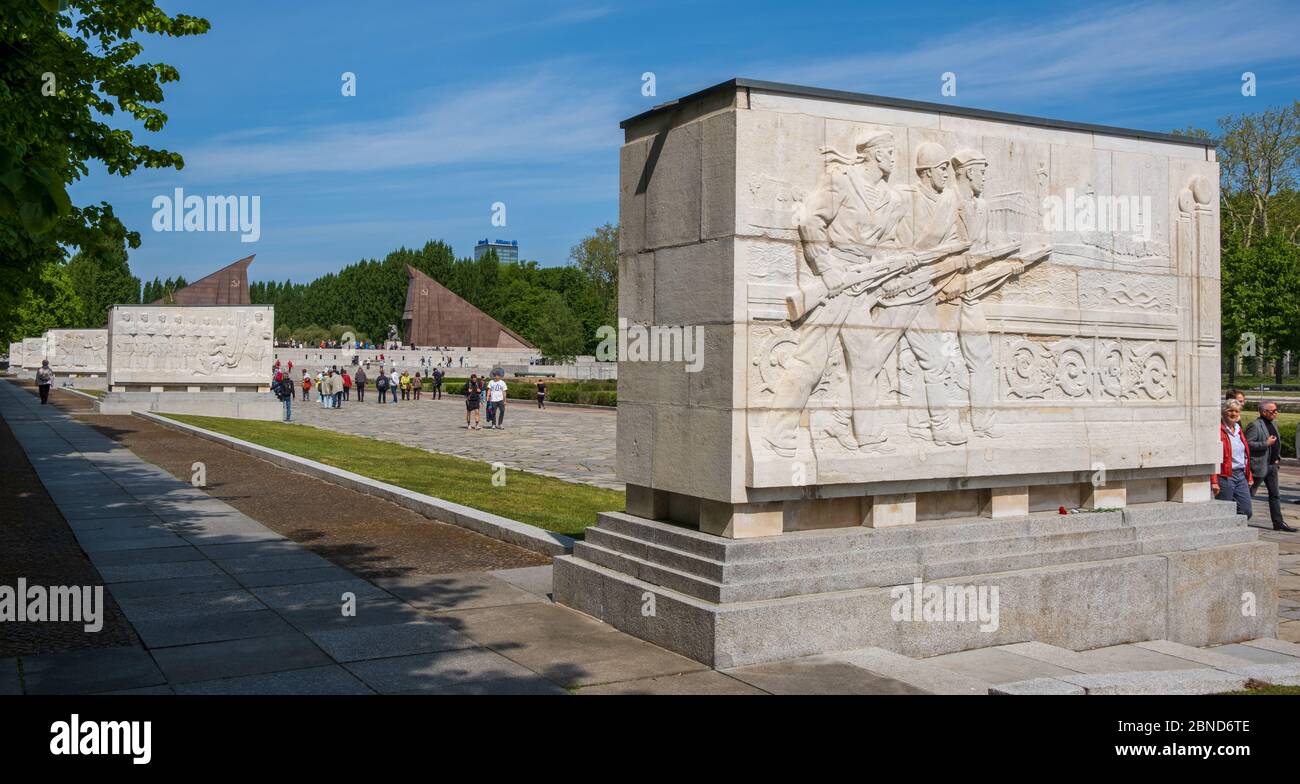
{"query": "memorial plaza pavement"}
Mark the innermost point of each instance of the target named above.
(573, 443)
(224, 592)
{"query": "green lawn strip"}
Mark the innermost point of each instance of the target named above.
(91, 392)
(543, 501)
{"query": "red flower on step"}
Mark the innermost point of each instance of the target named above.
(1061, 510)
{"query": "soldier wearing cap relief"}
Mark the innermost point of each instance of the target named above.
(854, 223)
(912, 315)
(970, 167)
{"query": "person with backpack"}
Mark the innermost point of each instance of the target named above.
(283, 389)
(306, 385)
(381, 384)
(437, 383)
(44, 378)
(359, 382)
(472, 393)
(417, 383)
(541, 394)
(347, 386)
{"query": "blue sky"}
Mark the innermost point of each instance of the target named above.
(460, 105)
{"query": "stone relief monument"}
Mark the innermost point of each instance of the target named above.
(33, 353)
(212, 360)
(220, 346)
(15, 356)
(78, 352)
(916, 313)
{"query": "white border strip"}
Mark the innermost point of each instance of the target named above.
(514, 532)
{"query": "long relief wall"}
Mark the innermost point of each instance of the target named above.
(916, 294)
(190, 346)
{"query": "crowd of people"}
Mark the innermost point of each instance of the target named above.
(333, 387)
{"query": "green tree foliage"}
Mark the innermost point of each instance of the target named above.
(101, 279)
(66, 69)
(597, 257)
(1261, 295)
(48, 302)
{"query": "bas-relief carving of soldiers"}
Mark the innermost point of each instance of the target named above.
(912, 315)
(969, 169)
(853, 224)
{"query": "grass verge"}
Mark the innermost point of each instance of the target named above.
(549, 503)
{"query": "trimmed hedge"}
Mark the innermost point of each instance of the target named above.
(586, 393)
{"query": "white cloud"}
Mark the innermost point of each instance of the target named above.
(546, 116)
(1099, 51)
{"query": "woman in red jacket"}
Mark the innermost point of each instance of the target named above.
(1232, 483)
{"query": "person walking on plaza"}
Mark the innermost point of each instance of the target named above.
(381, 386)
(338, 389)
(472, 392)
(347, 386)
(44, 378)
(437, 383)
(283, 389)
(1233, 481)
(359, 383)
(497, 403)
(306, 386)
(394, 384)
(416, 384)
(1265, 459)
(405, 383)
(541, 394)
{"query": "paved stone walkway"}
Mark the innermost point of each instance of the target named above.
(571, 443)
(223, 604)
(1288, 550)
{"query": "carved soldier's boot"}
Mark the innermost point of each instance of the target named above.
(784, 445)
(984, 427)
(874, 442)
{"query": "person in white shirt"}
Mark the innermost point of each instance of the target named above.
(497, 399)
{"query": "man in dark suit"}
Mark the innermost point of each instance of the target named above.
(1265, 456)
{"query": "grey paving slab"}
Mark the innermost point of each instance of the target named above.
(1277, 646)
(1130, 658)
(1198, 680)
(1207, 657)
(158, 571)
(369, 612)
(536, 580)
(273, 563)
(231, 658)
(317, 574)
(144, 691)
(1253, 654)
(145, 608)
(707, 682)
(192, 629)
(173, 586)
(329, 679)
(328, 594)
(816, 675)
(511, 686)
(432, 672)
(376, 642)
(227, 552)
(995, 666)
(153, 539)
(919, 673)
(1038, 686)
(459, 591)
(98, 522)
(90, 671)
(574, 444)
(568, 648)
(138, 557)
(9, 680)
